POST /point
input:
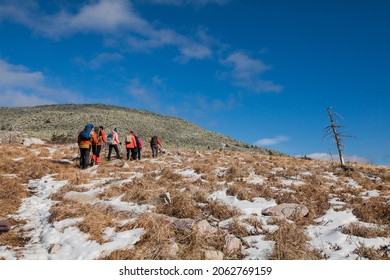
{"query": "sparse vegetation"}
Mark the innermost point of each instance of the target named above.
(169, 230)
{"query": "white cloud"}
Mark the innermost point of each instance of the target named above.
(20, 86)
(18, 75)
(335, 158)
(272, 141)
(19, 99)
(114, 18)
(102, 16)
(246, 73)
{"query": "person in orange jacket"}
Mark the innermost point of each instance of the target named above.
(131, 146)
(98, 138)
(84, 142)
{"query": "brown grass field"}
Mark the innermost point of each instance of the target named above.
(143, 183)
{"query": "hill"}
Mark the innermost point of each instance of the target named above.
(50, 122)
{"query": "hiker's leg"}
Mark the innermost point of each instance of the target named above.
(98, 150)
(94, 150)
(82, 157)
(134, 154)
(118, 156)
(88, 152)
(128, 153)
(109, 152)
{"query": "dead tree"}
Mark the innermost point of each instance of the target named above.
(333, 128)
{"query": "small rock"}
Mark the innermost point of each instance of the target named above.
(213, 255)
(165, 198)
(173, 249)
(5, 226)
(54, 248)
(203, 228)
(232, 244)
(286, 210)
(32, 141)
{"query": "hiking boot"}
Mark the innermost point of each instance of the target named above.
(97, 160)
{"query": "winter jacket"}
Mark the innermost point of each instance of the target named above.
(155, 143)
(83, 144)
(115, 138)
(139, 142)
(96, 140)
(133, 143)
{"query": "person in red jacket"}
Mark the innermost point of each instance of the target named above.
(131, 146)
(98, 138)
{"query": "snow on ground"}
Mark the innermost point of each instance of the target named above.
(328, 238)
(63, 240)
(190, 174)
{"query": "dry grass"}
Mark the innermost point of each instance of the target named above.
(95, 221)
(156, 244)
(291, 243)
(238, 229)
(222, 211)
(370, 253)
(373, 210)
(190, 199)
(182, 206)
(356, 229)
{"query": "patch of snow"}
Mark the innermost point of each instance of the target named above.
(352, 183)
(220, 171)
(259, 249)
(330, 176)
(335, 245)
(372, 193)
(291, 182)
(247, 207)
(189, 174)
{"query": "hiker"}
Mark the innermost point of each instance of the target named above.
(154, 144)
(84, 142)
(139, 146)
(131, 146)
(98, 138)
(113, 144)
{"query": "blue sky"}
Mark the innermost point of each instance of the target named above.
(261, 71)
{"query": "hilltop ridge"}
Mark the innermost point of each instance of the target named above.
(65, 120)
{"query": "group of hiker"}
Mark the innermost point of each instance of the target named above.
(94, 138)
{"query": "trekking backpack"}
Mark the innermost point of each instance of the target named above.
(110, 138)
(98, 135)
(85, 135)
(128, 139)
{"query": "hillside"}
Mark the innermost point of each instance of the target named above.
(47, 121)
(190, 205)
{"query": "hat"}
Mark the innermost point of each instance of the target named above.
(115, 129)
